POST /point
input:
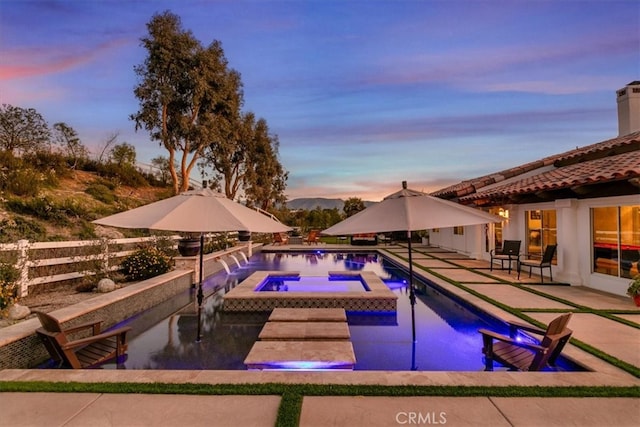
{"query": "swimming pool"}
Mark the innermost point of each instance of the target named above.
(446, 330)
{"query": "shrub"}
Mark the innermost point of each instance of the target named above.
(218, 242)
(101, 193)
(23, 182)
(145, 263)
(12, 230)
(46, 209)
(8, 285)
(55, 164)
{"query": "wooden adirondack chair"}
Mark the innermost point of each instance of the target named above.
(279, 239)
(313, 237)
(524, 356)
(510, 252)
(83, 352)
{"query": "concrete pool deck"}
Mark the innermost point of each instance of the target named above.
(601, 331)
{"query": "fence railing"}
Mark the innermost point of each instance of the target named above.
(46, 263)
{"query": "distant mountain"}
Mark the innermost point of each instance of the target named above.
(310, 204)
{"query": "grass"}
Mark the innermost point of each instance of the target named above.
(521, 312)
(292, 394)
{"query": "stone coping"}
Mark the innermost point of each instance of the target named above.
(245, 297)
(389, 378)
(27, 327)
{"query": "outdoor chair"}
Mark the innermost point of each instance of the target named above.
(510, 252)
(545, 262)
(80, 353)
(524, 356)
(313, 237)
(279, 239)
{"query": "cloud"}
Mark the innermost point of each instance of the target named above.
(44, 61)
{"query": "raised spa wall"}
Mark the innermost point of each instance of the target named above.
(21, 348)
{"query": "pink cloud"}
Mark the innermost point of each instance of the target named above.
(44, 61)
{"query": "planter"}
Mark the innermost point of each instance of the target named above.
(636, 299)
(189, 247)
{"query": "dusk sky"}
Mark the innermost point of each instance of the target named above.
(361, 94)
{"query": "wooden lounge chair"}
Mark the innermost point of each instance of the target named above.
(279, 239)
(83, 352)
(525, 356)
(510, 252)
(545, 262)
(313, 237)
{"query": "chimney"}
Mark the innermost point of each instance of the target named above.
(629, 108)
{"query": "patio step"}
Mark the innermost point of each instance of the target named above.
(301, 355)
(301, 331)
(281, 314)
(303, 339)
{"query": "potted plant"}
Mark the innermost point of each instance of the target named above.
(189, 245)
(634, 289)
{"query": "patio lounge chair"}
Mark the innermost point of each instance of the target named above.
(525, 356)
(279, 239)
(313, 237)
(510, 252)
(545, 262)
(83, 352)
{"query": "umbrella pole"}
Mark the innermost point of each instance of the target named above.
(200, 293)
(412, 295)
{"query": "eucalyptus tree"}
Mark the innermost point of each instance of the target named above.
(22, 130)
(185, 92)
(265, 178)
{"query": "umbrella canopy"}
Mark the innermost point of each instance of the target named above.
(410, 210)
(195, 211)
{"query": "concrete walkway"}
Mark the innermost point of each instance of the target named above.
(603, 331)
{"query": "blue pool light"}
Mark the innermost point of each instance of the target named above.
(306, 365)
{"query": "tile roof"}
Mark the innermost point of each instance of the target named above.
(607, 169)
(584, 172)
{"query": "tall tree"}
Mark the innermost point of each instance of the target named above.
(22, 129)
(183, 92)
(66, 136)
(266, 179)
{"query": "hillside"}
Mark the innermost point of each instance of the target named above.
(65, 211)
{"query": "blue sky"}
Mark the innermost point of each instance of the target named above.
(362, 94)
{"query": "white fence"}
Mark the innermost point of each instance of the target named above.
(35, 260)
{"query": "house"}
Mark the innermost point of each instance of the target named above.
(587, 201)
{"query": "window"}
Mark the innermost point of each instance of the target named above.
(459, 230)
(616, 240)
(497, 229)
(541, 231)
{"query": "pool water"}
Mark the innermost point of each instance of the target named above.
(447, 337)
(312, 284)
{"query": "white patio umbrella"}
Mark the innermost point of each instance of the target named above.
(197, 211)
(410, 210)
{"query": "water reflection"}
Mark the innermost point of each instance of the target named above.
(447, 338)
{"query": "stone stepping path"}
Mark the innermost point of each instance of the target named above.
(301, 331)
(280, 314)
(303, 339)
